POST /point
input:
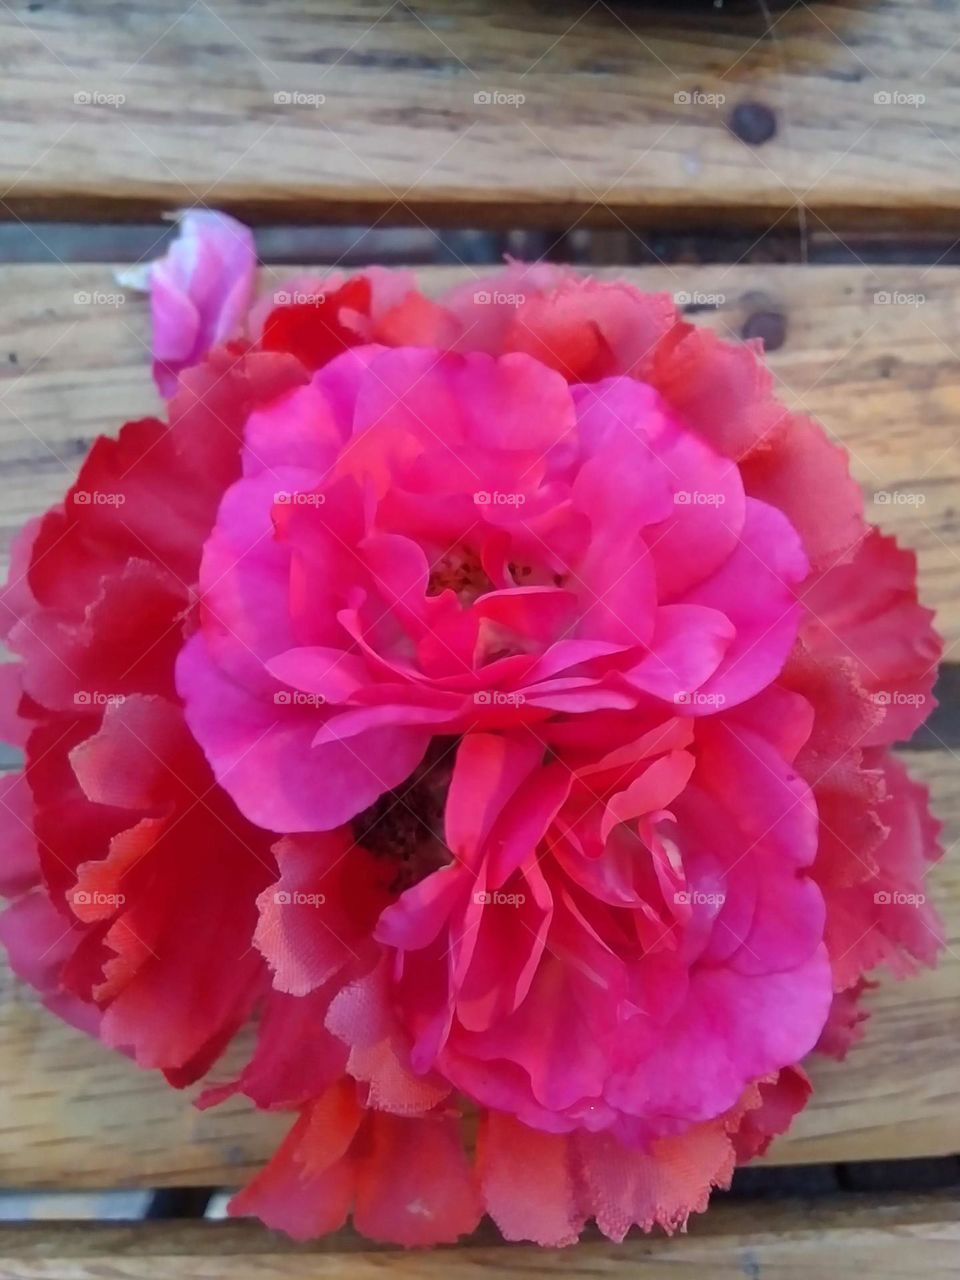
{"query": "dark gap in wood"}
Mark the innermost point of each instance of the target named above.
(338, 207)
(351, 246)
(827, 1195)
(765, 1182)
(179, 1202)
(921, 1174)
(762, 1182)
(942, 729)
(347, 246)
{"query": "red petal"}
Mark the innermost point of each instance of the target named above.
(316, 332)
(415, 1187)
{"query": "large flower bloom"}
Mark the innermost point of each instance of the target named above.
(494, 696)
(425, 543)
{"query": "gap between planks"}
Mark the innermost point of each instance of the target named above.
(886, 1238)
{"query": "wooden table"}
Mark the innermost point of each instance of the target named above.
(834, 135)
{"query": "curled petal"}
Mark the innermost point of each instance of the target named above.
(200, 291)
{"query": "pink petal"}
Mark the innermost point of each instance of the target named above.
(736, 1028)
(623, 1188)
(756, 589)
(312, 920)
(487, 772)
(262, 753)
(200, 291)
(19, 864)
(526, 1182)
(866, 610)
(296, 1058)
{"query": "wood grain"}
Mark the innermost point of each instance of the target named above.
(631, 115)
(884, 378)
(884, 1238)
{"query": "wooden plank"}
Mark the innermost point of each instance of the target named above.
(650, 114)
(885, 1238)
(881, 376)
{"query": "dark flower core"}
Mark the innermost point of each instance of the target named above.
(459, 570)
(405, 825)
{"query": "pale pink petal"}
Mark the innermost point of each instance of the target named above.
(316, 916)
(200, 291)
(622, 1188)
(527, 1182)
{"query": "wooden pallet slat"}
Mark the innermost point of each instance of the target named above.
(885, 1238)
(632, 115)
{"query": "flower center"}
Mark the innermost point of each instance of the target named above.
(459, 570)
(405, 825)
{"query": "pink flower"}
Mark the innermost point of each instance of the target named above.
(495, 697)
(609, 918)
(425, 544)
